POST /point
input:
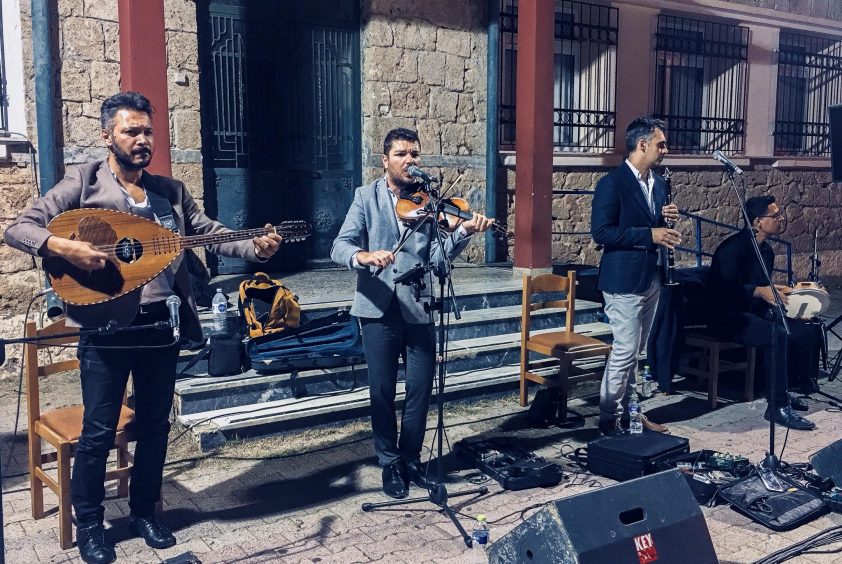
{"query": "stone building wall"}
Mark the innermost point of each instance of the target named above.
(87, 60)
(809, 198)
(424, 67)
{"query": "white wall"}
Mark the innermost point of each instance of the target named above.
(14, 65)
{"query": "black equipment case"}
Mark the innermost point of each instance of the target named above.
(325, 342)
(627, 456)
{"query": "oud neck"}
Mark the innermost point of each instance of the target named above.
(194, 241)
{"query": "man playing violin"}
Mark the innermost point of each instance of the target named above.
(121, 183)
(394, 323)
(740, 307)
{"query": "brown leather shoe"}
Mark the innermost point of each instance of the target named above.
(652, 426)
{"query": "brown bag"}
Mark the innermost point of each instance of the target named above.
(267, 305)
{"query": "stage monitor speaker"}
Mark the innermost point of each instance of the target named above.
(650, 519)
(835, 115)
(828, 462)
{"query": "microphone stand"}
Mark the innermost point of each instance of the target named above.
(109, 329)
(436, 492)
(779, 337)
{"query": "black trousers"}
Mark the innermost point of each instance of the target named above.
(802, 349)
(104, 373)
(385, 340)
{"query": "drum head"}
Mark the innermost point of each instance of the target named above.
(805, 303)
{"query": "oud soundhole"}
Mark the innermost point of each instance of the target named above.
(128, 250)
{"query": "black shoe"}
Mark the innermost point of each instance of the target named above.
(417, 474)
(394, 481)
(788, 418)
(152, 530)
(797, 403)
(93, 548)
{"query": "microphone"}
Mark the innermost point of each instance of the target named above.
(418, 173)
(732, 168)
(173, 302)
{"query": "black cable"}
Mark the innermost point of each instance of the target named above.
(828, 536)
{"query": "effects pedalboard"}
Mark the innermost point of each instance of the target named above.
(726, 462)
(513, 468)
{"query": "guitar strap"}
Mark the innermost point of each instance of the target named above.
(163, 210)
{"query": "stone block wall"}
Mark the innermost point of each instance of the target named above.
(810, 200)
(424, 67)
(87, 60)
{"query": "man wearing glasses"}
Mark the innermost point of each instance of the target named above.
(741, 311)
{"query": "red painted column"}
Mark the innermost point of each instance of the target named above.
(143, 68)
(534, 131)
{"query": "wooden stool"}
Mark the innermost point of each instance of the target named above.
(711, 363)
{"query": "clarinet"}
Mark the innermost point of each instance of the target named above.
(670, 252)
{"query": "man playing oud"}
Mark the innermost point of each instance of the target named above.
(120, 183)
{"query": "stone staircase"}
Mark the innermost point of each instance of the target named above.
(483, 357)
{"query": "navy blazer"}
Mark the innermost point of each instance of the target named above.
(621, 222)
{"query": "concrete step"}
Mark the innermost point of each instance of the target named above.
(198, 394)
(213, 428)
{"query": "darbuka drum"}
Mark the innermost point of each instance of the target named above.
(807, 300)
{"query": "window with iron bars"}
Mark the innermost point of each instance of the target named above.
(585, 77)
(700, 84)
(809, 80)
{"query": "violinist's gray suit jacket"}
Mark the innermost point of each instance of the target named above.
(371, 225)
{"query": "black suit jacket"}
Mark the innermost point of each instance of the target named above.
(621, 222)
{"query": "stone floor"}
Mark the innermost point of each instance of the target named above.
(297, 497)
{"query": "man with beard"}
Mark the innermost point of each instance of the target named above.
(120, 183)
(627, 219)
(394, 323)
(740, 311)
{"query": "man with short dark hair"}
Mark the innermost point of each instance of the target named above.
(120, 183)
(628, 215)
(741, 312)
(394, 323)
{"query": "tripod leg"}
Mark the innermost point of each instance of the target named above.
(837, 365)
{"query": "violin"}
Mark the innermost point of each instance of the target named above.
(453, 212)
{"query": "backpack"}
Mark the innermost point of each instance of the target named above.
(267, 306)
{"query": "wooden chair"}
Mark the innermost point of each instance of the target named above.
(61, 428)
(710, 363)
(566, 345)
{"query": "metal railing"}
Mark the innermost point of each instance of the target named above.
(700, 254)
(585, 77)
(809, 80)
(698, 220)
(700, 83)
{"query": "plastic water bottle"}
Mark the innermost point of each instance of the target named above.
(647, 382)
(220, 310)
(635, 421)
(479, 541)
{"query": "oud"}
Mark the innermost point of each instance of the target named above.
(138, 250)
